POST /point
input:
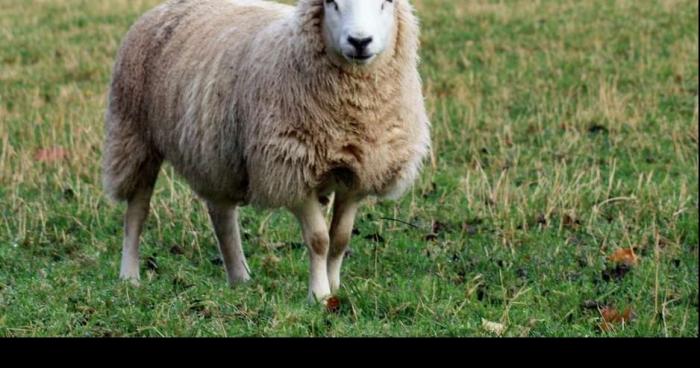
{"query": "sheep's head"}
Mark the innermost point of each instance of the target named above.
(359, 30)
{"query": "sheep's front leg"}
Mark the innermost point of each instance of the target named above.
(315, 232)
(225, 221)
(344, 210)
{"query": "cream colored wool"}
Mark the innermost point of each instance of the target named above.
(246, 102)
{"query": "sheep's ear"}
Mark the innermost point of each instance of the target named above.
(408, 24)
(309, 14)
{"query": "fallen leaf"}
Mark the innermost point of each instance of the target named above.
(612, 316)
(332, 304)
(50, 154)
(493, 327)
(624, 256)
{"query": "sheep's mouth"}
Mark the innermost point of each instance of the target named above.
(361, 59)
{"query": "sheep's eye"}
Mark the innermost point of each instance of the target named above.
(329, 2)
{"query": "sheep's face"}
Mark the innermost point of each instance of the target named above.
(358, 30)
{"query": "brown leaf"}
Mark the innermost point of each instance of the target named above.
(624, 256)
(50, 154)
(333, 304)
(612, 316)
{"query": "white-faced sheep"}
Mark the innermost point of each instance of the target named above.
(260, 103)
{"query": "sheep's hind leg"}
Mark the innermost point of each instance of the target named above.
(225, 221)
(344, 210)
(136, 213)
(315, 232)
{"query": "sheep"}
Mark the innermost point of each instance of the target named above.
(269, 105)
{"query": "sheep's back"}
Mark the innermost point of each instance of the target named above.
(175, 82)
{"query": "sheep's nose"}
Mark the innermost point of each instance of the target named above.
(360, 44)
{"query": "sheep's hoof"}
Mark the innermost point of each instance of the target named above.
(323, 300)
(238, 280)
(131, 279)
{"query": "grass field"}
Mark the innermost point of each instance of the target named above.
(564, 131)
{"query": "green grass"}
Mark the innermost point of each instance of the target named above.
(562, 130)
